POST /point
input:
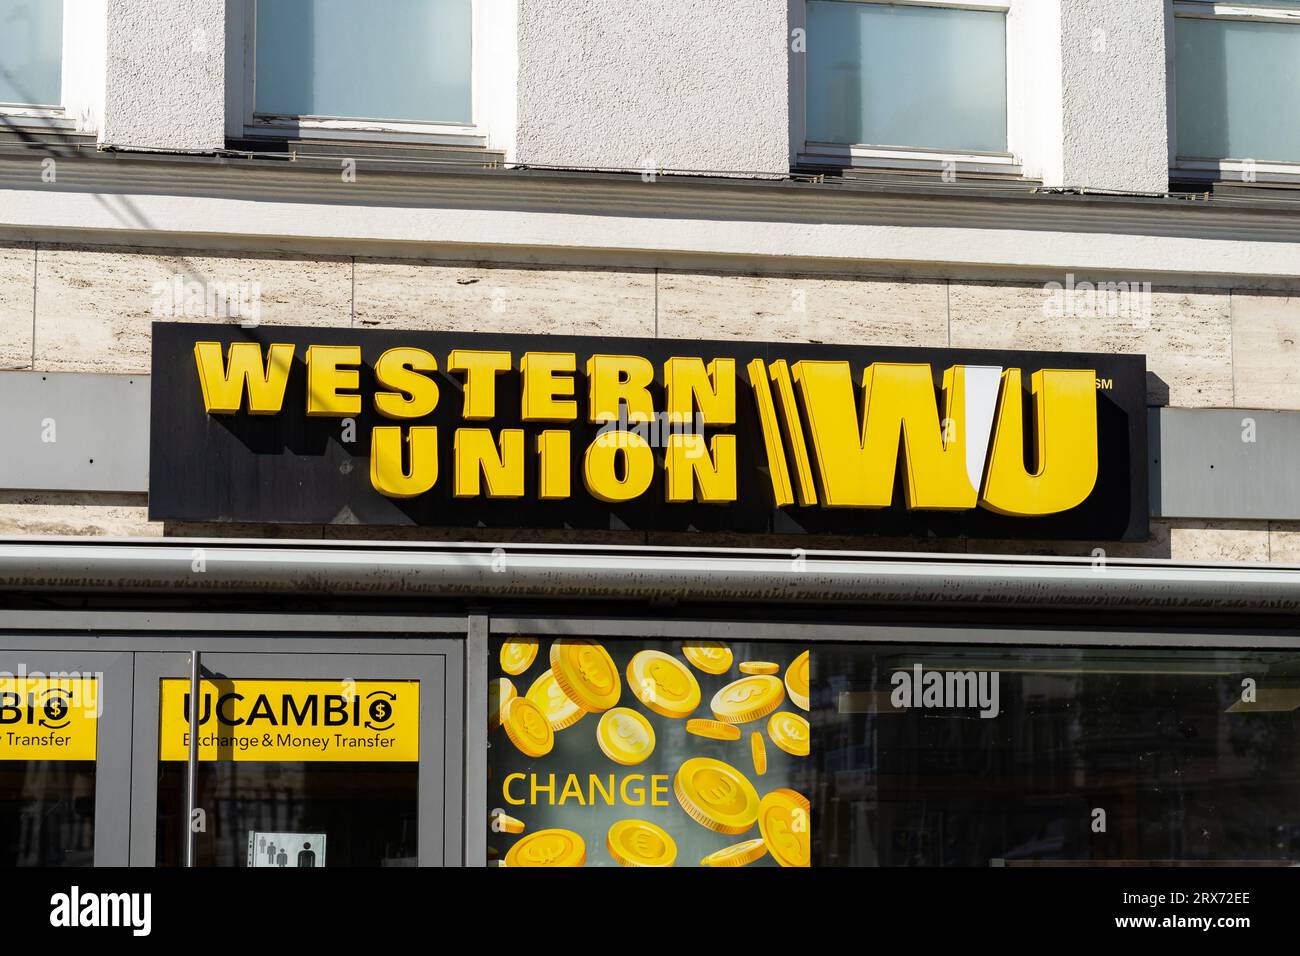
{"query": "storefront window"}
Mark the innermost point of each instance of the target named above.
(915, 755)
(648, 753)
(292, 773)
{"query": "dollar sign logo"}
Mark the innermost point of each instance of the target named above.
(742, 692)
(379, 711)
(669, 679)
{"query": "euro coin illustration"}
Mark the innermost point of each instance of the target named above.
(712, 657)
(796, 681)
(738, 854)
(586, 673)
(713, 729)
(518, 656)
(789, 732)
(663, 683)
(716, 795)
(759, 667)
(640, 843)
(784, 819)
(758, 750)
(560, 711)
(499, 691)
(527, 727)
(747, 699)
(625, 736)
(548, 848)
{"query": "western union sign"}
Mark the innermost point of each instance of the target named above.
(48, 717)
(462, 429)
(293, 720)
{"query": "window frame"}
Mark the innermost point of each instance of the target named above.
(1226, 168)
(246, 122)
(82, 67)
(889, 158)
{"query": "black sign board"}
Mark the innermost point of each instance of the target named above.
(284, 465)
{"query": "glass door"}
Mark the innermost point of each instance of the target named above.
(302, 760)
(65, 752)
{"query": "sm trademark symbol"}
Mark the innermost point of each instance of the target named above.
(1105, 383)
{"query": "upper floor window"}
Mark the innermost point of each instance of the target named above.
(31, 53)
(1237, 85)
(402, 65)
(882, 77)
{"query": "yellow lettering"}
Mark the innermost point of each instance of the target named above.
(481, 369)
(688, 384)
(414, 394)
(387, 476)
(1065, 446)
(534, 790)
(633, 796)
(505, 789)
(856, 465)
(553, 465)
(572, 789)
(223, 385)
(546, 388)
(615, 380)
(659, 790)
(476, 456)
(325, 379)
(597, 787)
(601, 466)
(695, 472)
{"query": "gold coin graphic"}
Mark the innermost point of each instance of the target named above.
(713, 729)
(796, 681)
(758, 750)
(759, 667)
(499, 691)
(784, 819)
(640, 843)
(625, 736)
(712, 657)
(504, 823)
(527, 728)
(663, 683)
(586, 673)
(518, 656)
(747, 699)
(716, 795)
(738, 854)
(560, 711)
(789, 732)
(548, 848)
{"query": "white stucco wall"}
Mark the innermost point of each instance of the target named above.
(1114, 94)
(687, 84)
(165, 85)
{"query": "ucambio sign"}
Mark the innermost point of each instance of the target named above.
(470, 429)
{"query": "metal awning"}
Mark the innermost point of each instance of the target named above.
(634, 573)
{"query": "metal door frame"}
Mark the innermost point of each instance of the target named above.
(112, 732)
(437, 664)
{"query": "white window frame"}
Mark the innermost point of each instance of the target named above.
(902, 158)
(83, 64)
(245, 121)
(1230, 168)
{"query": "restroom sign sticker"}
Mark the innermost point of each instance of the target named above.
(293, 720)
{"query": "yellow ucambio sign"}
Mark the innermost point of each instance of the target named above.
(53, 717)
(832, 434)
(293, 720)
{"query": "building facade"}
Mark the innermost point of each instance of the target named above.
(1098, 187)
